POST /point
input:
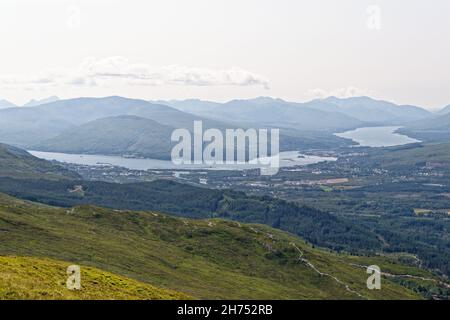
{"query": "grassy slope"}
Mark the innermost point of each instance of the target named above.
(195, 202)
(202, 258)
(413, 155)
(37, 278)
(18, 163)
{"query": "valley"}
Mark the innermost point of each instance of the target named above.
(304, 233)
(213, 259)
(377, 190)
(224, 159)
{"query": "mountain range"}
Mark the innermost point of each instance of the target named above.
(37, 102)
(432, 129)
(32, 103)
(273, 112)
(26, 127)
(6, 104)
(332, 113)
(142, 128)
(444, 110)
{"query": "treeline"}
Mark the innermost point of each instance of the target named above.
(389, 234)
(318, 227)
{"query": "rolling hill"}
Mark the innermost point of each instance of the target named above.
(20, 164)
(83, 110)
(122, 135)
(414, 155)
(54, 126)
(206, 259)
(434, 129)
(318, 227)
(19, 274)
(26, 127)
(440, 122)
(25, 176)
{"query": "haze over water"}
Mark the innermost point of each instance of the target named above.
(377, 137)
(287, 159)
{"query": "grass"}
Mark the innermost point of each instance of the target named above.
(25, 278)
(18, 163)
(205, 259)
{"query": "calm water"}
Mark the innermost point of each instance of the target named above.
(377, 137)
(287, 159)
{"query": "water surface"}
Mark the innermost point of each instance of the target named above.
(377, 137)
(287, 159)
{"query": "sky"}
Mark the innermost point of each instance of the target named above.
(225, 49)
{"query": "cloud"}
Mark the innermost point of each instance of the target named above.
(118, 71)
(347, 92)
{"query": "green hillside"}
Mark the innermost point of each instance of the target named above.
(416, 154)
(121, 135)
(211, 259)
(37, 279)
(318, 227)
(18, 163)
(433, 129)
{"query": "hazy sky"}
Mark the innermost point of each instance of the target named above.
(397, 50)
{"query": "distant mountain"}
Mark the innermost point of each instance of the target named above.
(371, 110)
(33, 102)
(33, 127)
(194, 106)
(25, 127)
(122, 135)
(439, 122)
(83, 110)
(303, 125)
(269, 111)
(18, 163)
(434, 129)
(444, 110)
(321, 114)
(6, 104)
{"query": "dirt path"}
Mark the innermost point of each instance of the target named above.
(309, 264)
(387, 274)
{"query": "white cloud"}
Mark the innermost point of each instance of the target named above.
(347, 92)
(118, 70)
